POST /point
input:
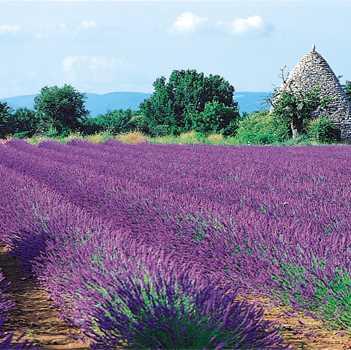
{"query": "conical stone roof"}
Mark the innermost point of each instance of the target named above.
(313, 71)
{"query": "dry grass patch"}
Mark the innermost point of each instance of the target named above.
(215, 138)
(134, 137)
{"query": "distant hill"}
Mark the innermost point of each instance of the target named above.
(96, 103)
(99, 104)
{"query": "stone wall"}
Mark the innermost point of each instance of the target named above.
(313, 71)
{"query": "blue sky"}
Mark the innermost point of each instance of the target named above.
(102, 46)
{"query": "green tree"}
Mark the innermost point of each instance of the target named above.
(24, 123)
(114, 122)
(298, 107)
(216, 118)
(174, 103)
(61, 109)
(5, 116)
(348, 89)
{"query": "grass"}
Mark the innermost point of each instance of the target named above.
(188, 138)
(134, 137)
(193, 138)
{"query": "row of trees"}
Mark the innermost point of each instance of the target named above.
(57, 111)
(188, 100)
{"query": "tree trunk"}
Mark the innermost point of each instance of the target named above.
(296, 127)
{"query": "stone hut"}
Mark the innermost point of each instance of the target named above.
(313, 71)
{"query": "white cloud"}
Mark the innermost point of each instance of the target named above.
(87, 71)
(98, 73)
(248, 25)
(9, 29)
(88, 24)
(72, 64)
(188, 22)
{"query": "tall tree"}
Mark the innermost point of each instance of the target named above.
(114, 122)
(297, 107)
(174, 103)
(61, 108)
(5, 115)
(216, 118)
(24, 123)
(348, 89)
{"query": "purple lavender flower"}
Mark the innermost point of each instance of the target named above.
(270, 220)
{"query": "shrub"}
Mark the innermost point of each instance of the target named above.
(91, 126)
(186, 138)
(325, 293)
(215, 139)
(134, 137)
(113, 122)
(262, 128)
(216, 118)
(322, 130)
(152, 301)
(99, 138)
(24, 123)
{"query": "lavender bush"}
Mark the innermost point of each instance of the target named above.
(97, 266)
(155, 302)
(270, 220)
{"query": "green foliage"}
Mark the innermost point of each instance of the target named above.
(185, 327)
(334, 299)
(5, 115)
(174, 103)
(190, 138)
(216, 118)
(348, 89)
(262, 128)
(200, 333)
(298, 107)
(299, 141)
(60, 109)
(24, 123)
(322, 130)
(113, 122)
(331, 299)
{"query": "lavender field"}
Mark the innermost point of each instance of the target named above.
(156, 246)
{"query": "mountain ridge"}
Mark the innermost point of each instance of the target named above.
(249, 101)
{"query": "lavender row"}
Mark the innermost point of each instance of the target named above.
(118, 291)
(317, 190)
(286, 226)
(118, 200)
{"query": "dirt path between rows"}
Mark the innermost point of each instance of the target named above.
(34, 316)
(301, 331)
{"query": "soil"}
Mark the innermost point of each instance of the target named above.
(35, 317)
(301, 331)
